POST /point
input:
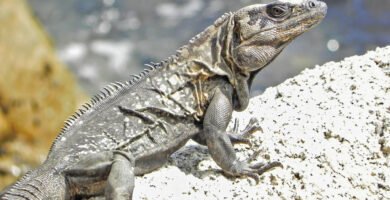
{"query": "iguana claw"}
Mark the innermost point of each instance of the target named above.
(259, 168)
(242, 137)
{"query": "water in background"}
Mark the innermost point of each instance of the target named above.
(107, 40)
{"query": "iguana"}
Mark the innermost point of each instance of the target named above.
(132, 128)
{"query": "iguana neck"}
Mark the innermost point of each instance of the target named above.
(209, 50)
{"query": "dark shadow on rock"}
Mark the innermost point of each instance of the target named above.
(187, 159)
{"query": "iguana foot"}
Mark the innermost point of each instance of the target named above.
(254, 170)
(242, 137)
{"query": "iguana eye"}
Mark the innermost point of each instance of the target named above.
(278, 11)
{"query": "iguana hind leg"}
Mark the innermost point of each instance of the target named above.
(120, 183)
(216, 120)
(107, 173)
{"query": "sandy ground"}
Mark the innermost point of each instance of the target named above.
(329, 126)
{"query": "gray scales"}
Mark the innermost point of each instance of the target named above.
(132, 128)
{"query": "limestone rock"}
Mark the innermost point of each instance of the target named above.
(37, 93)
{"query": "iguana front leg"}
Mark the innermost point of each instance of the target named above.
(216, 120)
(108, 173)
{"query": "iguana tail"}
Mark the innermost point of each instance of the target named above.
(39, 184)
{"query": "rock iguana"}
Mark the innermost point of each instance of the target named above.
(132, 128)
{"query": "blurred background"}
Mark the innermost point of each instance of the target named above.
(55, 54)
(105, 40)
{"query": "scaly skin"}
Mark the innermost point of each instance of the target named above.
(132, 128)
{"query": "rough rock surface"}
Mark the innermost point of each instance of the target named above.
(37, 93)
(329, 126)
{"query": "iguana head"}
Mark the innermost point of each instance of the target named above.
(261, 31)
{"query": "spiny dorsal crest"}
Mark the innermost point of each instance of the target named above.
(204, 35)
